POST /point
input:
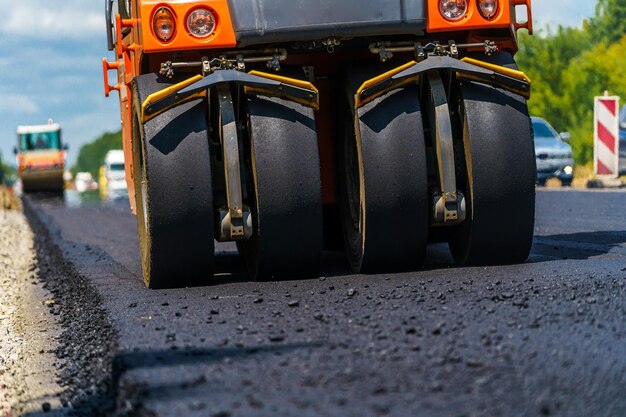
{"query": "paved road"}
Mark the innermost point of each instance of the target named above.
(544, 338)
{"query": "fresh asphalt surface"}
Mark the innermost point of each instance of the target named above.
(544, 338)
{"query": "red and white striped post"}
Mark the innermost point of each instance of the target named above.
(606, 137)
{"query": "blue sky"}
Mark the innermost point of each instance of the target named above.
(562, 12)
(50, 65)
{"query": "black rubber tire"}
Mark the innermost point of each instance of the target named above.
(284, 189)
(501, 174)
(384, 192)
(172, 176)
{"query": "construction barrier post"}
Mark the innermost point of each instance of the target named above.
(606, 137)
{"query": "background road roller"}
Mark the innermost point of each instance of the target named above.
(291, 126)
(40, 157)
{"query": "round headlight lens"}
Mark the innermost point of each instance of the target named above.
(568, 170)
(164, 24)
(453, 10)
(201, 23)
(488, 8)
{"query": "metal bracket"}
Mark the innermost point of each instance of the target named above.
(206, 66)
(271, 57)
(420, 53)
(384, 54)
(106, 66)
(386, 50)
(330, 44)
(235, 219)
(453, 49)
(447, 209)
(449, 203)
(241, 63)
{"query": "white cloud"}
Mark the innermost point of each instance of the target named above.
(17, 104)
(562, 12)
(58, 58)
(53, 21)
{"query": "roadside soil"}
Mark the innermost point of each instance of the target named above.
(56, 343)
(28, 364)
(8, 199)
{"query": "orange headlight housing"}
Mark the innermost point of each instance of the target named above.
(164, 24)
(186, 25)
(467, 15)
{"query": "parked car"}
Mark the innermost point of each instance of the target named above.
(553, 153)
(84, 182)
(622, 141)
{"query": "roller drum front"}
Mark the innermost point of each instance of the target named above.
(173, 191)
(383, 180)
(284, 191)
(500, 177)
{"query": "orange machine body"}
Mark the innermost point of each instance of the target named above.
(138, 50)
(38, 160)
(222, 37)
(472, 20)
(41, 170)
(40, 157)
(49, 155)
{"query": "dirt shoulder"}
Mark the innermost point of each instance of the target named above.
(56, 343)
(28, 363)
(8, 200)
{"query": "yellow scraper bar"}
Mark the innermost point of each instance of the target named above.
(515, 74)
(165, 93)
(380, 79)
(285, 80)
(309, 99)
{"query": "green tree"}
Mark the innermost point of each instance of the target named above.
(91, 155)
(7, 172)
(590, 75)
(609, 24)
(544, 57)
(569, 66)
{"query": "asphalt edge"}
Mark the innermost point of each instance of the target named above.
(89, 341)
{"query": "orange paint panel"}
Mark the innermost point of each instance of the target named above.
(472, 20)
(528, 25)
(42, 160)
(222, 37)
(106, 66)
(127, 145)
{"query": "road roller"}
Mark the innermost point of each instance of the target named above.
(40, 156)
(292, 127)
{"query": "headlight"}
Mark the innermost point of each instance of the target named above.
(164, 24)
(201, 23)
(453, 10)
(488, 8)
(568, 170)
